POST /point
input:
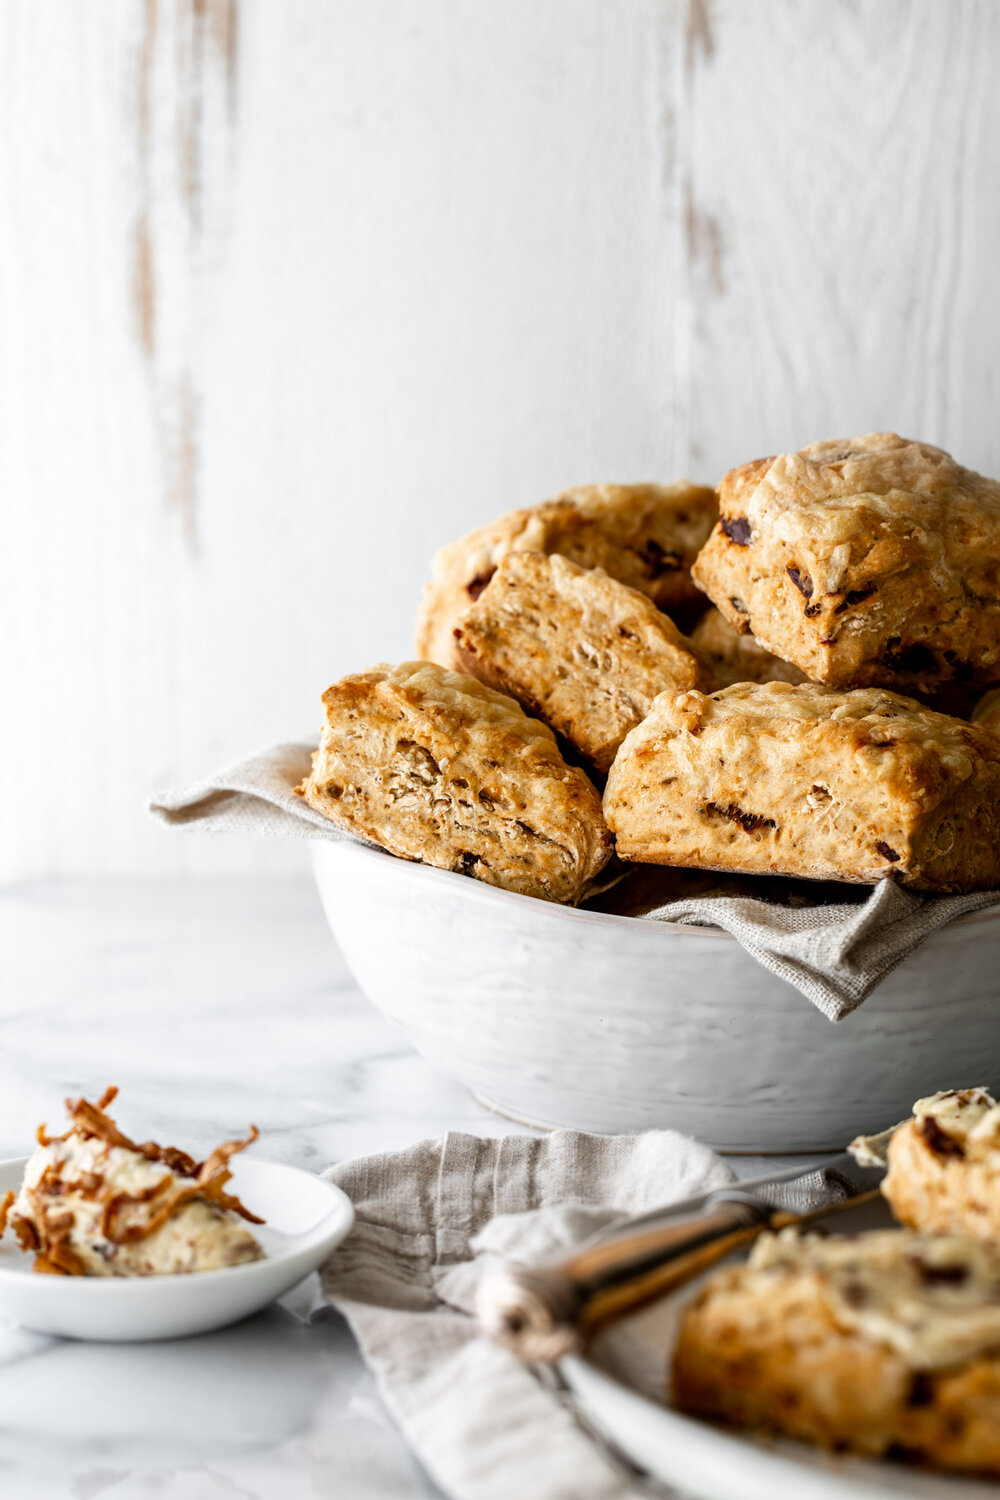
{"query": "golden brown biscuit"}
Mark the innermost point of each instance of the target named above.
(944, 1165)
(738, 658)
(870, 561)
(884, 1345)
(437, 767)
(741, 658)
(987, 711)
(645, 535)
(583, 652)
(783, 780)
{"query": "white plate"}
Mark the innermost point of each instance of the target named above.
(305, 1218)
(615, 1387)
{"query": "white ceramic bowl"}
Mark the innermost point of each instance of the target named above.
(605, 1023)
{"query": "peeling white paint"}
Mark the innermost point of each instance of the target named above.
(290, 293)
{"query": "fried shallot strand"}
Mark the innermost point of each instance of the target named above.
(51, 1182)
(26, 1233)
(59, 1260)
(213, 1174)
(55, 1258)
(118, 1201)
(45, 1267)
(67, 1259)
(222, 1154)
(177, 1160)
(91, 1120)
(88, 1120)
(135, 1232)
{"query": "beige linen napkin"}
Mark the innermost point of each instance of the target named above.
(429, 1219)
(833, 943)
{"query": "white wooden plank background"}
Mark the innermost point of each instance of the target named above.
(291, 291)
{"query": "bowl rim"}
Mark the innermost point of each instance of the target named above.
(480, 891)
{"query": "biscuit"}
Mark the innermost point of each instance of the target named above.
(738, 658)
(437, 767)
(645, 535)
(584, 653)
(944, 1165)
(874, 561)
(987, 711)
(884, 1345)
(774, 779)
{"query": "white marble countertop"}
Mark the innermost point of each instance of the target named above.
(210, 1004)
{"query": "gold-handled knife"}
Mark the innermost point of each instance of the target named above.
(543, 1312)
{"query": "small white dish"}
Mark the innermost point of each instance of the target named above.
(616, 1388)
(305, 1218)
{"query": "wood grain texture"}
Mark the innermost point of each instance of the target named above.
(840, 177)
(290, 293)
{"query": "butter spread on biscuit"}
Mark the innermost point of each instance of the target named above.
(969, 1118)
(934, 1299)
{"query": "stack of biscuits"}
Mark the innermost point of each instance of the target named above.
(884, 1343)
(575, 698)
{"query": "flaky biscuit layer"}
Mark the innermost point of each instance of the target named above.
(874, 560)
(944, 1165)
(437, 767)
(803, 780)
(584, 652)
(645, 535)
(733, 657)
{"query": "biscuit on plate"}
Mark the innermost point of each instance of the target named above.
(645, 535)
(738, 658)
(884, 1344)
(872, 561)
(944, 1165)
(774, 779)
(585, 653)
(435, 766)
